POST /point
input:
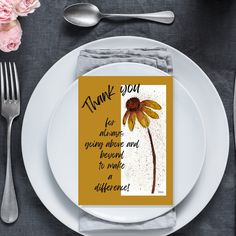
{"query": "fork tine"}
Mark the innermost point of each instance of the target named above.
(2, 82)
(16, 82)
(11, 87)
(6, 81)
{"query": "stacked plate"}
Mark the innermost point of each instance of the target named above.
(50, 137)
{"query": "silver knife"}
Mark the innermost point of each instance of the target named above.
(234, 109)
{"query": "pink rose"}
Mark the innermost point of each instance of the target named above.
(10, 36)
(24, 7)
(7, 11)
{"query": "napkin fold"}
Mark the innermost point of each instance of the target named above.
(89, 223)
(90, 59)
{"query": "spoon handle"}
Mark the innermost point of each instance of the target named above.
(165, 17)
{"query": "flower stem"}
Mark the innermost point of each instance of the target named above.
(154, 162)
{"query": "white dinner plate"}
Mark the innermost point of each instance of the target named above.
(54, 84)
(188, 156)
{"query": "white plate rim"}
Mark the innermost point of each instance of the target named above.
(140, 41)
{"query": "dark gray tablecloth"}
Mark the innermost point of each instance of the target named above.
(204, 30)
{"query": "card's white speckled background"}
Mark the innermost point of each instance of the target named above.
(138, 171)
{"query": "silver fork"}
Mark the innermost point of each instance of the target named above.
(10, 101)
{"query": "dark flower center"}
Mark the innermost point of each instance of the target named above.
(133, 104)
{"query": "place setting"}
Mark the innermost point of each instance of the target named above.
(132, 136)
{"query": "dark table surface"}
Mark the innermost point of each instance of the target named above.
(204, 30)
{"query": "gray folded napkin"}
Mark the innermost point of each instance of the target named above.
(89, 223)
(90, 59)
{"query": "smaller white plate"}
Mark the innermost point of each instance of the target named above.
(189, 146)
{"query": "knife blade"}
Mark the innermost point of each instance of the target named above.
(234, 110)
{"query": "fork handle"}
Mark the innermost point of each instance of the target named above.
(9, 207)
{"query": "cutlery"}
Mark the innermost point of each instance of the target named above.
(10, 109)
(234, 109)
(86, 15)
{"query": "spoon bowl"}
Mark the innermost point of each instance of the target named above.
(82, 14)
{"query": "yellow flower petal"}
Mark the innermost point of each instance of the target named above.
(125, 117)
(131, 120)
(143, 119)
(152, 104)
(150, 112)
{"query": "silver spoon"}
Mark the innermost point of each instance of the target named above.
(86, 15)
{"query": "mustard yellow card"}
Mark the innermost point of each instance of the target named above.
(125, 140)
